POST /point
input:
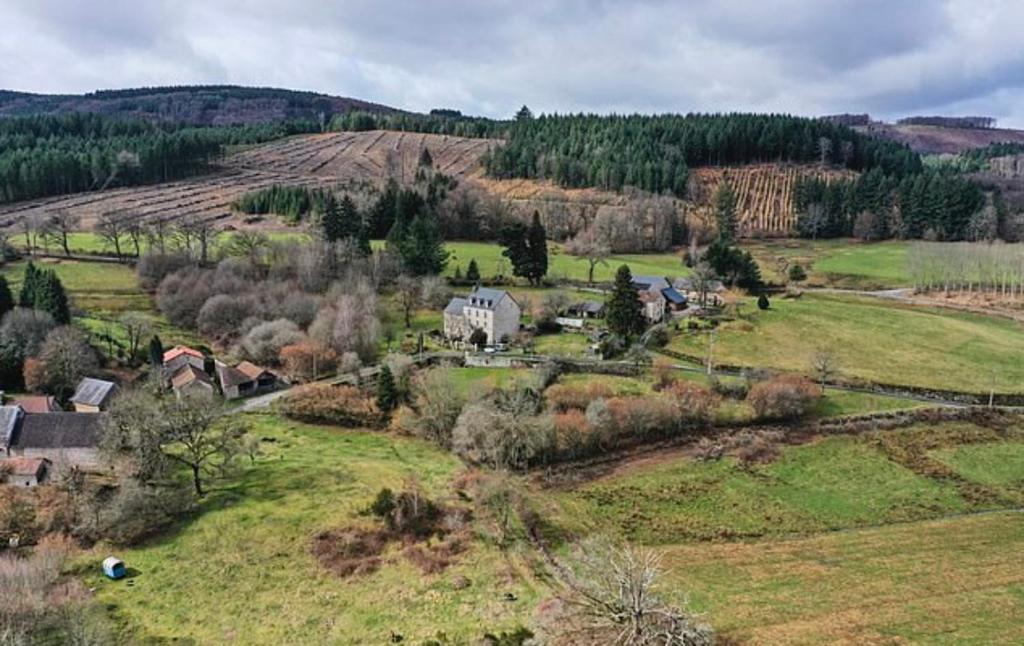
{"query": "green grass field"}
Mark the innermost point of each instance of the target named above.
(100, 292)
(87, 242)
(242, 570)
(835, 263)
(832, 542)
(875, 340)
(560, 264)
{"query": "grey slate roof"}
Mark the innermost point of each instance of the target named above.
(230, 376)
(9, 416)
(456, 305)
(650, 282)
(59, 431)
(486, 298)
(92, 392)
(590, 307)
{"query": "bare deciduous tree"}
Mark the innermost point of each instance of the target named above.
(58, 227)
(136, 328)
(589, 246)
(824, 364)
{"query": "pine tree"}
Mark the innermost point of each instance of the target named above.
(422, 248)
(725, 212)
(387, 390)
(156, 352)
(473, 272)
(426, 161)
(6, 298)
(762, 302)
(27, 295)
(331, 220)
(527, 250)
(625, 312)
(537, 243)
(50, 297)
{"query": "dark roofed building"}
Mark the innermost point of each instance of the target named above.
(62, 438)
(92, 395)
(244, 380)
(189, 380)
(586, 309)
(10, 416)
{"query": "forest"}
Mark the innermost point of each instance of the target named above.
(438, 122)
(53, 155)
(654, 153)
(936, 205)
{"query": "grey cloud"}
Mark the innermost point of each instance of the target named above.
(490, 56)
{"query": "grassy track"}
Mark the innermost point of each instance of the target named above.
(875, 340)
(242, 570)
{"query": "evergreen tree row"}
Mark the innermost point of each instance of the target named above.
(42, 290)
(441, 122)
(53, 155)
(933, 204)
(654, 152)
(296, 203)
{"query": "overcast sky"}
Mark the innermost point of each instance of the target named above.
(887, 57)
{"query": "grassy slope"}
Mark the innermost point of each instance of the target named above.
(955, 581)
(874, 340)
(835, 483)
(100, 292)
(996, 464)
(242, 571)
(840, 263)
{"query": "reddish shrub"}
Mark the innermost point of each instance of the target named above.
(350, 552)
(783, 397)
(562, 397)
(696, 404)
(339, 405)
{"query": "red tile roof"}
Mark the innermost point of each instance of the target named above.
(23, 466)
(179, 350)
(37, 403)
(250, 370)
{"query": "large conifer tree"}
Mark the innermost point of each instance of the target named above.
(625, 312)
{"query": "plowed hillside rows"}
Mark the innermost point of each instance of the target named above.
(763, 194)
(334, 159)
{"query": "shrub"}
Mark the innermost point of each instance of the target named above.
(783, 397)
(563, 397)
(797, 274)
(306, 360)
(663, 373)
(152, 268)
(697, 405)
(264, 342)
(438, 403)
(338, 405)
(488, 435)
(223, 315)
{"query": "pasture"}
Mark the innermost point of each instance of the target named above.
(842, 263)
(873, 339)
(241, 570)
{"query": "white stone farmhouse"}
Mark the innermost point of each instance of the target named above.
(492, 310)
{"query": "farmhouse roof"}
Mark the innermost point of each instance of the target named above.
(230, 376)
(37, 403)
(59, 431)
(650, 282)
(24, 466)
(649, 297)
(179, 350)
(92, 392)
(251, 370)
(487, 298)
(589, 307)
(189, 374)
(9, 418)
(456, 305)
(672, 296)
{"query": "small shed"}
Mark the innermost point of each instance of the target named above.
(114, 567)
(92, 395)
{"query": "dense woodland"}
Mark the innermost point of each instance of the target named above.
(441, 122)
(654, 152)
(933, 205)
(53, 155)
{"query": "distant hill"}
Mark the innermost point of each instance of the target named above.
(936, 139)
(195, 105)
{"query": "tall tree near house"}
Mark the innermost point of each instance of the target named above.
(526, 248)
(158, 430)
(43, 291)
(725, 212)
(67, 357)
(703, 276)
(156, 352)
(29, 286)
(136, 327)
(588, 245)
(409, 292)
(422, 249)
(473, 272)
(6, 298)
(624, 311)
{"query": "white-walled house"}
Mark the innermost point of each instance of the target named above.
(492, 310)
